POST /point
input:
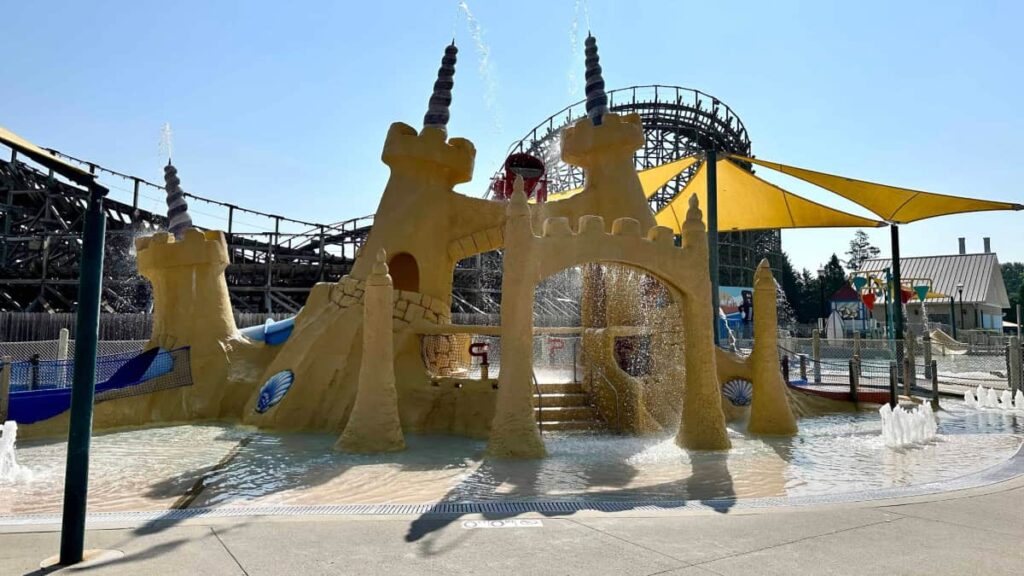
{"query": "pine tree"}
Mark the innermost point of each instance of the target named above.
(860, 250)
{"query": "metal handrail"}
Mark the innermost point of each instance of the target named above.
(540, 403)
(615, 391)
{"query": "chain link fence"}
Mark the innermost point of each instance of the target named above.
(825, 365)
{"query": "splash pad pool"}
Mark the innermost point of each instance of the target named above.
(214, 467)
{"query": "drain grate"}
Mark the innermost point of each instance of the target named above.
(1005, 471)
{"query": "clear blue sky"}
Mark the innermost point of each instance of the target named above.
(284, 106)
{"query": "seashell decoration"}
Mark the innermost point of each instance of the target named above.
(739, 392)
(273, 390)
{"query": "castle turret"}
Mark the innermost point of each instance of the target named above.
(603, 145)
(441, 100)
(191, 307)
(597, 100)
(425, 166)
(177, 209)
(769, 409)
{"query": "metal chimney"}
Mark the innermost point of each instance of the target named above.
(988, 245)
(963, 245)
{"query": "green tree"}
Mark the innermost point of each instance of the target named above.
(791, 288)
(860, 250)
(835, 276)
(1013, 277)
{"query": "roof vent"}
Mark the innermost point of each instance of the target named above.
(963, 246)
(988, 245)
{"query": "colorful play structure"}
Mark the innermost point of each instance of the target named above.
(352, 362)
(370, 357)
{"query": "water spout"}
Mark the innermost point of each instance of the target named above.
(901, 428)
(10, 470)
(989, 398)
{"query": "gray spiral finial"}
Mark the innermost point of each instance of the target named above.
(177, 209)
(597, 100)
(441, 99)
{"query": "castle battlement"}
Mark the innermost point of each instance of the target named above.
(199, 248)
(432, 146)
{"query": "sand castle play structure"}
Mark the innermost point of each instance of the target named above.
(362, 359)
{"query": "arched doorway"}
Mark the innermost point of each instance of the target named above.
(405, 272)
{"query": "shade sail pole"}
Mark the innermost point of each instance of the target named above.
(897, 309)
(83, 387)
(711, 158)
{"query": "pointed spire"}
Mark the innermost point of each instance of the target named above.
(178, 219)
(441, 99)
(597, 100)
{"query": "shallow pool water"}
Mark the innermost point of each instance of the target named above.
(210, 466)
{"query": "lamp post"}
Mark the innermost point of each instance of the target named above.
(952, 315)
(960, 290)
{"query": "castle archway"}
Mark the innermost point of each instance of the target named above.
(405, 272)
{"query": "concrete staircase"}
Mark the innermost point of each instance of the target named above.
(565, 406)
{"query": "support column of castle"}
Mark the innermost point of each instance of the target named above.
(703, 423)
(514, 431)
(374, 425)
(770, 412)
(191, 307)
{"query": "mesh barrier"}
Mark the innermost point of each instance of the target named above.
(57, 374)
(50, 349)
(170, 369)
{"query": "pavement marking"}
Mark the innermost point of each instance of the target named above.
(511, 523)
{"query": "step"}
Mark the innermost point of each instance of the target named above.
(565, 413)
(563, 399)
(572, 425)
(560, 388)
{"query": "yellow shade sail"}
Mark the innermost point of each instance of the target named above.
(651, 179)
(746, 202)
(654, 178)
(897, 205)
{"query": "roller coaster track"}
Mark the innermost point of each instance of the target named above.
(272, 269)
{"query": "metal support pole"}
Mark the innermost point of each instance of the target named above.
(63, 342)
(785, 367)
(803, 367)
(892, 384)
(5, 387)
(322, 254)
(934, 366)
(711, 158)
(908, 375)
(816, 354)
(135, 194)
(926, 343)
(952, 315)
(1014, 350)
(854, 384)
(897, 312)
(83, 388)
(1016, 373)
(857, 351)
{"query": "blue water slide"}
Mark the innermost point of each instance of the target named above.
(271, 332)
(42, 391)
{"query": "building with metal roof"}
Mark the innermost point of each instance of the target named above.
(971, 284)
